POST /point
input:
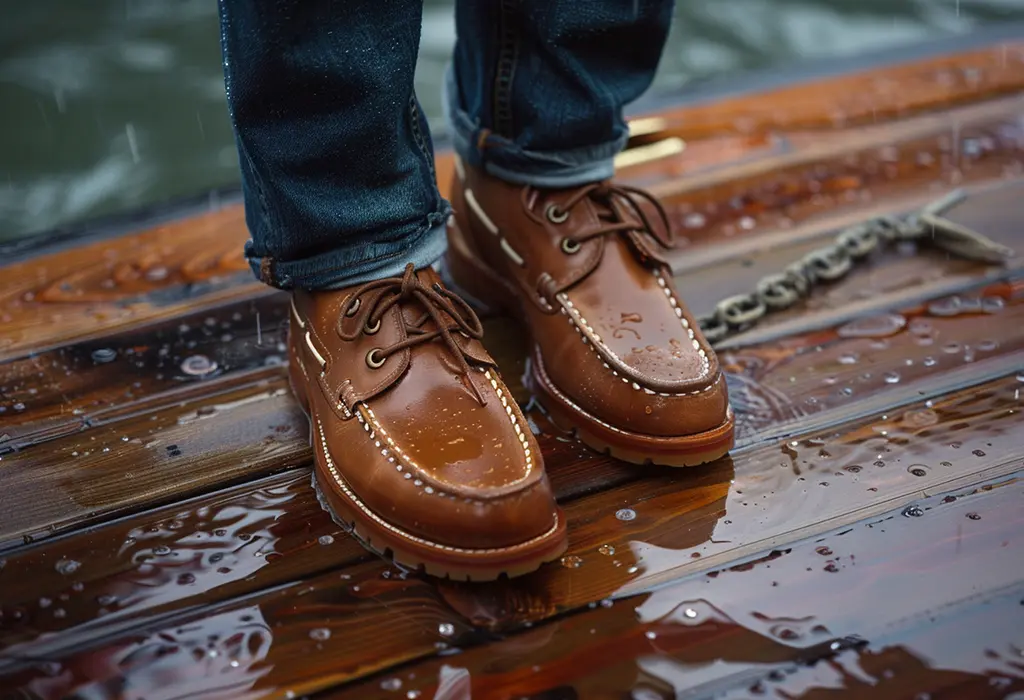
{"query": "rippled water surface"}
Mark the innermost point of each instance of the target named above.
(111, 104)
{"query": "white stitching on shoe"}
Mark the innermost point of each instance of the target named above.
(550, 386)
(593, 339)
(377, 433)
(377, 519)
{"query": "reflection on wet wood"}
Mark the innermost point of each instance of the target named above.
(150, 373)
(851, 605)
(625, 539)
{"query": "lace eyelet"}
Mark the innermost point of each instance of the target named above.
(354, 308)
(370, 330)
(372, 360)
(570, 247)
(555, 214)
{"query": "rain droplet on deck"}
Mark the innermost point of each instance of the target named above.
(918, 469)
(325, 540)
(320, 634)
(446, 629)
(572, 562)
(832, 567)
(824, 551)
(606, 549)
(412, 694)
(198, 365)
(872, 327)
(651, 634)
(66, 567)
(625, 514)
(694, 220)
(848, 358)
(391, 684)
(104, 355)
(891, 377)
(992, 305)
(186, 579)
(974, 516)
(978, 453)
(913, 512)
(161, 550)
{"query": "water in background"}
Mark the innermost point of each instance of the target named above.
(107, 105)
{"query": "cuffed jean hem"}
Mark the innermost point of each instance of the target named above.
(346, 266)
(507, 161)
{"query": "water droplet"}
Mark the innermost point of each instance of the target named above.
(929, 361)
(951, 348)
(325, 540)
(161, 550)
(186, 579)
(446, 629)
(18, 407)
(45, 602)
(918, 469)
(747, 223)
(104, 355)
(974, 516)
(891, 377)
(824, 551)
(832, 567)
(66, 567)
(606, 549)
(848, 358)
(978, 453)
(625, 514)
(391, 684)
(992, 305)
(879, 326)
(690, 613)
(412, 694)
(913, 512)
(694, 220)
(198, 365)
(572, 562)
(320, 634)
(59, 613)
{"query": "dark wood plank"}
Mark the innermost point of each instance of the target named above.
(75, 387)
(787, 622)
(729, 510)
(222, 545)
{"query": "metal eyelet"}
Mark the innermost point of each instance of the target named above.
(370, 330)
(555, 214)
(371, 360)
(354, 308)
(569, 246)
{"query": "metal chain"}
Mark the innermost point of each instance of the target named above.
(781, 290)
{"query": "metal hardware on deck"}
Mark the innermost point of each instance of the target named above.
(780, 291)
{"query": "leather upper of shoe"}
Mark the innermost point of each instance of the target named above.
(412, 417)
(609, 328)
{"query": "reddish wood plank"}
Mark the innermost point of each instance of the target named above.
(908, 586)
(719, 513)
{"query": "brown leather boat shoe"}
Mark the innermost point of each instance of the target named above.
(616, 356)
(420, 450)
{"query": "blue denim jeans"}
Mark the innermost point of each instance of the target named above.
(336, 158)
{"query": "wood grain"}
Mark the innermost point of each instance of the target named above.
(378, 617)
(850, 611)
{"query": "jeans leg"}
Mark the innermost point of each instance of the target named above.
(336, 158)
(537, 88)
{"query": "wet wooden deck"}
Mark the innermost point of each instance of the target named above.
(159, 538)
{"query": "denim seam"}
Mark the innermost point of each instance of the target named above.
(417, 134)
(508, 57)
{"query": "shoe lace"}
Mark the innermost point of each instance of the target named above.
(604, 193)
(436, 301)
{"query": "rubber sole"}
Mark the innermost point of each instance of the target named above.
(409, 551)
(476, 281)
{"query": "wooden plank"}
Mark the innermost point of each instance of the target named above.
(729, 510)
(867, 97)
(88, 384)
(783, 624)
(218, 546)
(774, 387)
